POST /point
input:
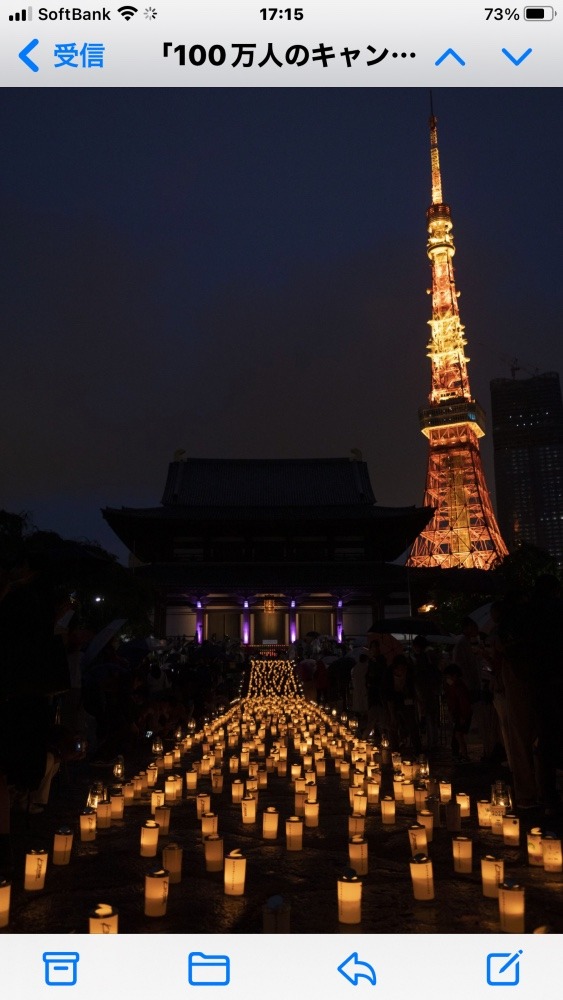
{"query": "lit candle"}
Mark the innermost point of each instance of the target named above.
(344, 770)
(427, 819)
(497, 816)
(511, 904)
(398, 787)
(422, 877)
(62, 846)
(551, 852)
(294, 833)
(209, 825)
(320, 767)
(358, 854)
(349, 890)
(168, 761)
(311, 814)
(360, 803)
(137, 786)
(103, 814)
(152, 775)
(418, 839)
(492, 874)
(88, 824)
(372, 790)
(149, 838)
(170, 790)
(35, 870)
(511, 830)
(445, 790)
(387, 810)
(162, 817)
(535, 850)
(299, 803)
(235, 874)
(213, 846)
(462, 848)
(5, 892)
(234, 765)
(217, 782)
(484, 812)
(270, 823)
(420, 795)
(156, 892)
(172, 856)
(103, 920)
(464, 802)
(129, 793)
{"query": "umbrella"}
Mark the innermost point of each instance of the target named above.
(101, 639)
(482, 617)
(389, 646)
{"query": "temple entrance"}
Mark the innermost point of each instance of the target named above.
(269, 627)
(315, 621)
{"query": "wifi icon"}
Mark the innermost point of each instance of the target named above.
(127, 12)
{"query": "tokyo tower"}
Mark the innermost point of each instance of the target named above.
(463, 532)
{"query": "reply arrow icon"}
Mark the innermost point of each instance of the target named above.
(353, 970)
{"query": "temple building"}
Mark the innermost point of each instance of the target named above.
(267, 550)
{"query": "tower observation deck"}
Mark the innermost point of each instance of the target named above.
(463, 532)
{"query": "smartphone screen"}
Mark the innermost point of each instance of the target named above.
(281, 535)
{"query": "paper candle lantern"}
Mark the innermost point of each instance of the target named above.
(156, 892)
(5, 893)
(358, 854)
(349, 892)
(320, 767)
(191, 780)
(464, 802)
(152, 775)
(62, 846)
(396, 759)
(299, 803)
(418, 839)
(157, 799)
(270, 823)
(427, 819)
(237, 790)
(35, 870)
(311, 790)
(234, 765)
(217, 782)
(172, 856)
(497, 816)
(551, 852)
(170, 790)
(235, 874)
(462, 849)
(408, 792)
(117, 804)
(244, 758)
(344, 770)
(445, 790)
(492, 874)
(535, 850)
(149, 838)
(387, 810)
(484, 812)
(420, 796)
(294, 833)
(213, 846)
(129, 793)
(178, 779)
(162, 817)
(168, 761)
(372, 790)
(511, 830)
(88, 824)
(276, 916)
(356, 825)
(144, 781)
(248, 805)
(103, 920)
(360, 803)
(398, 787)
(511, 905)
(311, 814)
(422, 877)
(103, 814)
(203, 804)
(453, 815)
(209, 825)
(137, 786)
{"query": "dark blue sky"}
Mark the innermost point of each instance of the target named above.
(242, 273)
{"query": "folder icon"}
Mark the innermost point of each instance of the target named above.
(208, 970)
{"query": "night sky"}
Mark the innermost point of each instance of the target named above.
(242, 273)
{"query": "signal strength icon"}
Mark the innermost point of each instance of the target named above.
(23, 15)
(127, 12)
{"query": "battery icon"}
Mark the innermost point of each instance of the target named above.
(538, 13)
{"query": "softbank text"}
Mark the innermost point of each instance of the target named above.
(74, 14)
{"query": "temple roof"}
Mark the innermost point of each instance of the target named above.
(304, 482)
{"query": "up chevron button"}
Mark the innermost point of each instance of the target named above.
(450, 52)
(514, 59)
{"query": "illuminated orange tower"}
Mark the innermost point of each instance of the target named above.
(463, 531)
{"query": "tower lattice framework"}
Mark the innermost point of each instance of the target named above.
(463, 532)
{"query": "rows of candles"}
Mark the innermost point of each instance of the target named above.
(273, 736)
